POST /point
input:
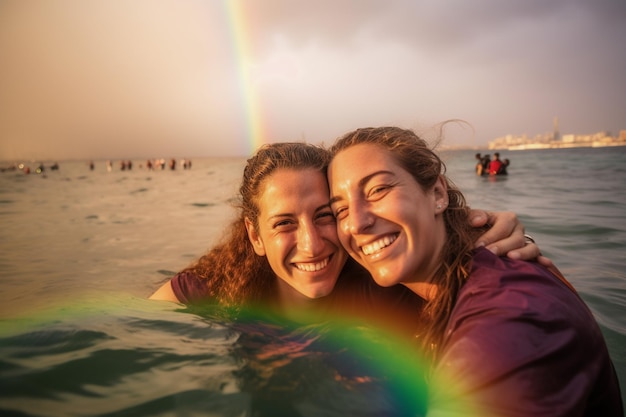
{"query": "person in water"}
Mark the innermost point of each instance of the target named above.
(506, 337)
(479, 164)
(495, 165)
(282, 249)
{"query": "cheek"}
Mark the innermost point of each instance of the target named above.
(274, 246)
(329, 231)
(343, 233)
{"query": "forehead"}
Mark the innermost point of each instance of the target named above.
(291, 190)
(361, 159)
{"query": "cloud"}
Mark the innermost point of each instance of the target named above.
(165, 77)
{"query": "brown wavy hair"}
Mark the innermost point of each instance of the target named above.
(414, 155)
(234, 273)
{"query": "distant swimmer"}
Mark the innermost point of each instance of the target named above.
(497, 166)
(505, 164)
(482, 164)
(479, 164)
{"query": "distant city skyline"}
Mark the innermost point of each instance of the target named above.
(556, 139)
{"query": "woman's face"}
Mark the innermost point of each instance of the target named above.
(297, 231)
(384, 219)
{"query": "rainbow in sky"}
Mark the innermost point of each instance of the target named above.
(239, 24)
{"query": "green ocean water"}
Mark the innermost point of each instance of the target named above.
(81, 250)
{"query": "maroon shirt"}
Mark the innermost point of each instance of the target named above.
(521, 343)
(355, 295)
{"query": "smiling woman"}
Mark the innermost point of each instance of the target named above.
(406, 208)
(296, 231)
(402, 219)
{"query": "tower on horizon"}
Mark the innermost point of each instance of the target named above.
(556, 135)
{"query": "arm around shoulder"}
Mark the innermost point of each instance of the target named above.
(506, 236)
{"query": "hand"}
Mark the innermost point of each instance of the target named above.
(506, 236)
(547, 262)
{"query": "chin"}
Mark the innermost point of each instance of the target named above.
(319, 292)
(384, 280)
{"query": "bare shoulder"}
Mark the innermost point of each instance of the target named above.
(165, 293)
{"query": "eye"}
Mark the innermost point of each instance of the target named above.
(341, 213)
(325, 217)
(283, 224)
(378, 191)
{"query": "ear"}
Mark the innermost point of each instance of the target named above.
(254, 238)
(440, 191)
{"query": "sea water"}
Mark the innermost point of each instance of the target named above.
(81, 250)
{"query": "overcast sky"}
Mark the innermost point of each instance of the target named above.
(190, 78)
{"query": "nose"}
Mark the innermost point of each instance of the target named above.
(310, 242)
(360, 219)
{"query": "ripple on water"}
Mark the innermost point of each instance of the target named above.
(139, 190)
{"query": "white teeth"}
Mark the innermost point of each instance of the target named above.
(312, 267)
(378, 245)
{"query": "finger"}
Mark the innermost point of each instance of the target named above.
(545, 261)
(530, 252)
(505, 226)
(510, 244)
(478, 218)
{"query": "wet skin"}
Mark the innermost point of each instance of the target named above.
(385, 220)
(297, 231)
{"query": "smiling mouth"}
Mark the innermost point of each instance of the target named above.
(312, 266)
(376, 246)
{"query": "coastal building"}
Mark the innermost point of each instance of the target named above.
(556, 140)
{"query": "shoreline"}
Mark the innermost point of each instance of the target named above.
(558, 145)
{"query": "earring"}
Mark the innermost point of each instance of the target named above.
(438, 206)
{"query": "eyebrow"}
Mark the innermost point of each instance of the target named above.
(279, 215)
(362, 183)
